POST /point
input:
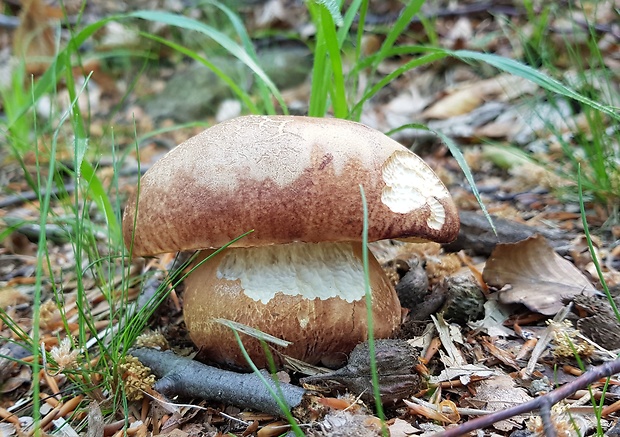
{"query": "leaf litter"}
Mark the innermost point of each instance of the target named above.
(471, 365)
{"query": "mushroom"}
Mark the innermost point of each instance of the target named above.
(299, 275)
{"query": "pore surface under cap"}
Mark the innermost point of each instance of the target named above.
(313, 271)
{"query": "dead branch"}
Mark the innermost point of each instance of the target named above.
(477, 236)
(189, 378)
(544, 403)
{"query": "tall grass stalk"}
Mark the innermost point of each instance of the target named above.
(598, 407)
(275, 394)
(592, 149)
(371, 337)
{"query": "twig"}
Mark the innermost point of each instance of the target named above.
(54, 233)
(29, 196)
(543, 403)
(490, 8)
(186, 377)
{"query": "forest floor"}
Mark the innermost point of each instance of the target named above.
(508, 315)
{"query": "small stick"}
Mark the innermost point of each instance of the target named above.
(45, 421)
(29, 196)
(11, 418)
(49, 399)
(70, 406)
(51, 383)
(433, 347)
(610, 409)
(543, 403)
(186, 377)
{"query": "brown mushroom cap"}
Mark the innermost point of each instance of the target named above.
(309, 294)
(290, 179)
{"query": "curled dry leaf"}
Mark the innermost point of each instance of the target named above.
(465, 99)
(424, 411)
(538, 277)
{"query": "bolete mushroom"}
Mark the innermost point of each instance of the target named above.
(299, 276)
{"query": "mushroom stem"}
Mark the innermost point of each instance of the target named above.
(310, 294)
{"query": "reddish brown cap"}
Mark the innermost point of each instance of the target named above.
(289, 179)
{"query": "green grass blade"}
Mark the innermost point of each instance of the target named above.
(397, 29)
(349, 19)
(371, 336)
(240, 93)
(460, 159)
(320, 70)
(223, 40)
(586, 231)
(50, 78)
(162, 130)
(332, 7)
(518, 69)
(355, 112)
(85, 170)
(249, 48)
(328, 34)
(363, 11)
(279, 399)
(99, 195)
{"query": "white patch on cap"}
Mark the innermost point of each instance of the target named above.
(314, 271)
(410, 184)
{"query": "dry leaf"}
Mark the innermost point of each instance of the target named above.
(498, 393)
(10, 296)
(274, 429)
(402, 428)
(455, 364)
(495, 314)
(13, 383)
(465, 374)
(458, 103)
(175, 433)
(449, 334)
(538, 277)
(34, 39)
(95, 421)
(424, 411)
(504, 87)
(505, 357)
(7, 430)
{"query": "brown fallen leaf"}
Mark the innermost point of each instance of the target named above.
(465, 99)
(14, 382)
(498, 393)
(402, 428)
(505, 357)
(537, 276)
(10, 296)
(34, 39)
